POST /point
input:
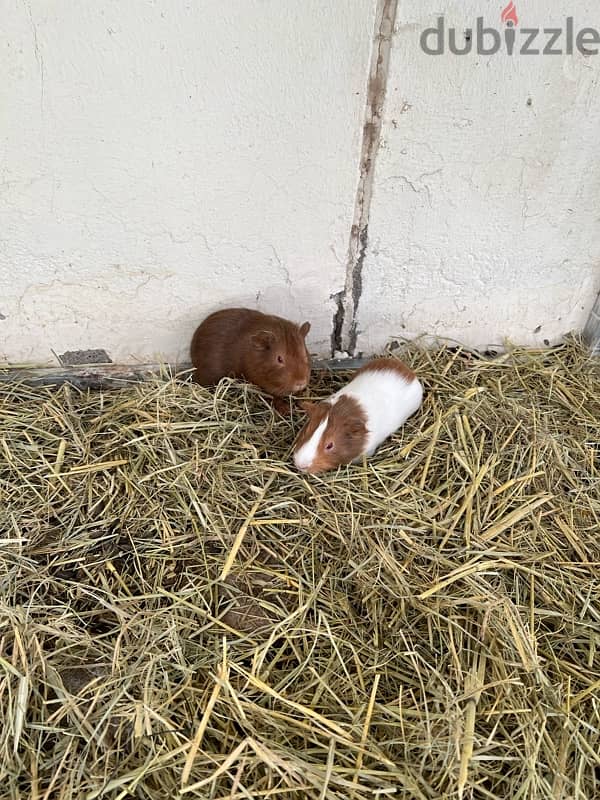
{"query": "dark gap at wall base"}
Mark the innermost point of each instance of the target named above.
(111, 376)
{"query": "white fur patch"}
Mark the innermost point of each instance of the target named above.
(305, 455)
(388, 400)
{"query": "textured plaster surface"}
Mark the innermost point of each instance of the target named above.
(160, 160)
(485, 215)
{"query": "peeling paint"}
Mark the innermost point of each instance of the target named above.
(357, 284)
(338, 322)
(346, 315)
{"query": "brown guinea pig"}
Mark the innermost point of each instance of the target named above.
(262, 349)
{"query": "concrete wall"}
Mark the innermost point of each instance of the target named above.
(485, 216)
(159, 160)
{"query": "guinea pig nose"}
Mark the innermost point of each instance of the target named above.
(300, 463)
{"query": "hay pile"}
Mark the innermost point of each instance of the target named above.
(183, 615)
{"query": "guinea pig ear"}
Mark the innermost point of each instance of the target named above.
(263, 340)
(306, 406)
(304, 328)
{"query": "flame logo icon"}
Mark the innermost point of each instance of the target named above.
(509, 15)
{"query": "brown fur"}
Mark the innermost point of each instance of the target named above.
(243, 343)
(346, 429)
(379, 364)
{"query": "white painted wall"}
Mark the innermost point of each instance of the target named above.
(161, 159)
(485, 218)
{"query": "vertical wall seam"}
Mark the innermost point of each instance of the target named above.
(591, 332)
(345, 331)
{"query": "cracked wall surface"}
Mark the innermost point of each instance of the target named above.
(162, 160)
(345, 320)
(484, 219)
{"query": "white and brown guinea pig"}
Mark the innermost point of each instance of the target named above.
(263, 349)
(355, 420)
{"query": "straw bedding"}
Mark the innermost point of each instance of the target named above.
(184, 615)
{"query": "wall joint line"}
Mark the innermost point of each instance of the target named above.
(345, 321)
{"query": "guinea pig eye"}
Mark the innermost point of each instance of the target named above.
(329, 446)
(280, 359)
